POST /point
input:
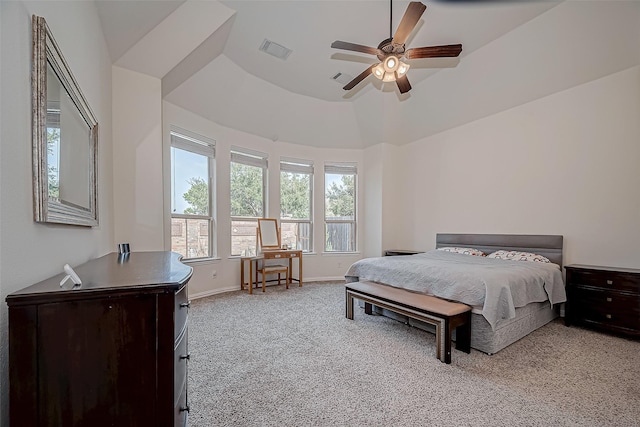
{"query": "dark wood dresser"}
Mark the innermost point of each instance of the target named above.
(110, 352)
(605, 298)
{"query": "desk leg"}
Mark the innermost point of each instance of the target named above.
(250, 276)
(300, 270)
(241, 274)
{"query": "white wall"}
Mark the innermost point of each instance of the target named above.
(564, 164)
(31, 252)
(317, 265)
(381, 204)
(137, 150)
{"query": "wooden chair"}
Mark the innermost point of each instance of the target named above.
(273, 269)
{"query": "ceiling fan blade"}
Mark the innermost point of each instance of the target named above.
(409, 20)
(450, 50)
(363, 75)
(403, 84)
(355, 47)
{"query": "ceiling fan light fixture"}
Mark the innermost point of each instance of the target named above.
(391, 63)
(378, 71)
(389, 77)
(402, 69)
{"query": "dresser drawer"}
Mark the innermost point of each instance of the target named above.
(181, 311)
(181, 410)
(605, 279)
(181, 358)
(605, 307)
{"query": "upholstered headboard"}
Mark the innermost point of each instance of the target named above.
(549, 246)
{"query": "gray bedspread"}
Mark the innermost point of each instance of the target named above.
(497, 286)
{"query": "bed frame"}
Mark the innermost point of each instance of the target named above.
(549, 246)
(528, 318)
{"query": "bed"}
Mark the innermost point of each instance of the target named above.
(510, 299)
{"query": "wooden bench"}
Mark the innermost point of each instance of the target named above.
(445, 315)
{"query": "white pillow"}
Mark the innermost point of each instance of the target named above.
(517, 256)
(466, 251)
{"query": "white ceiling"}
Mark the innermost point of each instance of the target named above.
(206, 53)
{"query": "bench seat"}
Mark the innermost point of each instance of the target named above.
(445, 315)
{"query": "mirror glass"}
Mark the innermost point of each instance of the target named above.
(64, 138)
(268, 232)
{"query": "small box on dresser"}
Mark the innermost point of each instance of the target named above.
(604, 298)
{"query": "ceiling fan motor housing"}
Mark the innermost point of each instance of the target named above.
(387, 48)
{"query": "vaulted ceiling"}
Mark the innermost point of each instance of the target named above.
(206, 53)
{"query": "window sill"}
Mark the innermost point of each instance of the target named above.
(199, 260)
(340, 253)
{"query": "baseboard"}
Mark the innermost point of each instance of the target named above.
(212, 292)
(324, 279)
(235, 288)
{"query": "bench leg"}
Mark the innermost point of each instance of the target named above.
(447, 331)
(349, 305)
(463, 334)
(368, 308)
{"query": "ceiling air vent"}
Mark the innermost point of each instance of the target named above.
(275, 49)
(342, 78)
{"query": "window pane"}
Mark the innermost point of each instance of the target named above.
(246, 191)
(339, 196)
(190, 237)
(189, 182)
(295, 195)
(243, 237)
(296, 235)
(340, 237)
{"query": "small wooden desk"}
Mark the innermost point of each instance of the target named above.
(274, 254)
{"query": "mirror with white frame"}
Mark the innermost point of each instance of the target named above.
(268, 233)
(65, 138)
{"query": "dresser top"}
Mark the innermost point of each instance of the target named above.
(602, 268)
(112, 273)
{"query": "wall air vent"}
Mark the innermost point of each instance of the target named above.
(342, 78)
(275, 49)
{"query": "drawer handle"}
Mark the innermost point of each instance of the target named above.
(185, 356)
(277, 256)
(609, 299)
(185, 304)
(608, 316)
(184, 408)
(609, 282)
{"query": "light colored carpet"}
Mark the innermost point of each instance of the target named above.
(291, 358)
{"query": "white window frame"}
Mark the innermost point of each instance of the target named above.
(301, 167)
(189, 141)
(346, 168)
(249, 157)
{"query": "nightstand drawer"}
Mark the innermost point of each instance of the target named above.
(605, 279)
(608, 308)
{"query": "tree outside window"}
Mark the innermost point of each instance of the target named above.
(247, 181)
(192, 222)
(296, 183)
(340, 207)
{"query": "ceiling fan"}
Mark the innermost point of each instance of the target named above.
(391, 51)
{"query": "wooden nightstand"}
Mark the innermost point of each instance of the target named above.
(604, 298)
(397, 252)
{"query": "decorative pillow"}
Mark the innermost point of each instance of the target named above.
(466, 251)
(518, 256)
